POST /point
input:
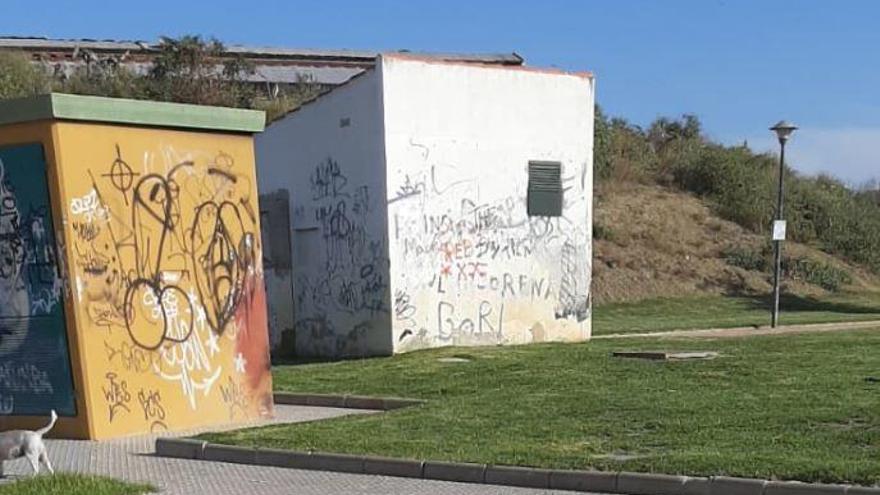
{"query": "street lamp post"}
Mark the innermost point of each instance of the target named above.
(783, 131)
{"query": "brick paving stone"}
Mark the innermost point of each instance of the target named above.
(132, 459)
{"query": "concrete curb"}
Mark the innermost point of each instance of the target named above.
(454, 471)
(737, 486)
(517, 476)
(649, 484)
(229, 453)
(581, 481)
(181, 448)
(783, 488)
(387, 466)
(345, 401)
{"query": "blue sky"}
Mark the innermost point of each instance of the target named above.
(739, 65)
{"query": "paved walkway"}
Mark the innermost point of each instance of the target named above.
(132, 459)
(749, 331)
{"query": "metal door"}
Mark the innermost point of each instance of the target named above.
(277, 270)
(35, 374)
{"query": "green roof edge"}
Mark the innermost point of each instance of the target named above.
(137, 112)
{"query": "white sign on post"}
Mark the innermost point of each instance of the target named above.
(779, 230)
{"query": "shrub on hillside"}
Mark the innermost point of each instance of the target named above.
(838, 219)
(603, 232)
(741, 185)
(621, 153)
(816, 273)
(20, 78)
(738, 182)
(807, 270)
(746, 258)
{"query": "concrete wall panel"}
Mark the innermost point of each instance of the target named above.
(163, 254)
(329, 155)
(469, 266)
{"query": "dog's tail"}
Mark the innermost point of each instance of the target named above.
(42, 431)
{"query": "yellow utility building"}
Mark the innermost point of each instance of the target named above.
(131, 284)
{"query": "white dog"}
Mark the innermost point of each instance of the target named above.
(22, 443)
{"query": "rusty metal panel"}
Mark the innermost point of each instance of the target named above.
(275, 215)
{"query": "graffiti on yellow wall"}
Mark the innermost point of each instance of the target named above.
(166, 277)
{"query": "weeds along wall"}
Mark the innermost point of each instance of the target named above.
(157, 279)
(469, 265)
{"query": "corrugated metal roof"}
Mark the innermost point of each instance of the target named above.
(45, 43)
(277, 74)
(482, 58)
(283, 74)
(486, 58)
(365, 56)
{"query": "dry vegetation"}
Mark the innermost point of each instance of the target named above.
(188, 69)
(655, 241)
(678, 214)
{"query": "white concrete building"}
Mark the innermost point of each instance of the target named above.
(431, 203)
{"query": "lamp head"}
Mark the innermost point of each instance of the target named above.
(783, 130)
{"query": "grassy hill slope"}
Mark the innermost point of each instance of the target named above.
(653, 241)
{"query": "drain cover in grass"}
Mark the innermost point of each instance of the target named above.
(666, 355)
(453, 360)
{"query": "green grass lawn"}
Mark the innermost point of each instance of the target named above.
(717, 311)
(72, 484)
(788, 407)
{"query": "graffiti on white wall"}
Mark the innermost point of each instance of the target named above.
(341, 291)
(466, 264)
